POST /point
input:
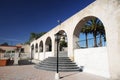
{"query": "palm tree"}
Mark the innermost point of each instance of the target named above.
(85, 30)
(40, 34)
(34, 36)
(101, 31)
(97, 28)
(93, 24)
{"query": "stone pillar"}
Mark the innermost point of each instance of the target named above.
(113, 38)
(54, 46)
(44, 48)
(16, 58)
(70, 47)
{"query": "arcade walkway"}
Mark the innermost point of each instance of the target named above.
(28, 72)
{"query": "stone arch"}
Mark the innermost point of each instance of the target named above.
(36, 47)
(32, 46)
(41, 46)
(89, 58)
(77, 30)
(32, 51)
(63, 44)
(48, 44)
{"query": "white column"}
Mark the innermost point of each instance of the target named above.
(44, 48)
(16, 58)
(57, 76)
(70, 47)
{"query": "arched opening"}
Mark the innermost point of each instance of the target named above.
(63, 44)
(41, 46)
(48, 44)
(36, 47)
(89, 33)
(32, 51)
(90, 50)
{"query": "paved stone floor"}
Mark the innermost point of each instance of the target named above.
(28, 72)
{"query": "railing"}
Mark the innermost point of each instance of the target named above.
(7, 55)
(12, 55)
(25, 55)
(82, 43)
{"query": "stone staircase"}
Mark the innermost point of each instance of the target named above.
(62, 54)
(65, 64)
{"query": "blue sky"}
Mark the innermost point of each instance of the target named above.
(18, 18)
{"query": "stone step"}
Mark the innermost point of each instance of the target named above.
(60, 58)
(60, 70)
(64, 64)
(54, 61)
(54, 66)
(59, 64)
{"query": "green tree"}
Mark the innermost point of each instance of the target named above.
(93, 24)
(4, 44)
(34, 36)
(40, 34)
(101, 32)
(96, 28)
(86, 30)
(63, 43)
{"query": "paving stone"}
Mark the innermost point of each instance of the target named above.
(28, 72)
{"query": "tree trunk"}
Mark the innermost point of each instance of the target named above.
(86, 40)
(100, 40)
(95, 40)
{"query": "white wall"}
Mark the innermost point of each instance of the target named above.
(94, 60)
(41, 56)
(25, 55)
(48, 54)
(35, 55)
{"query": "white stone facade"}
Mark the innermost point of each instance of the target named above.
(108, 11)
(93, 60)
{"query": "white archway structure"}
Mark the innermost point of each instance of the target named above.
(41, 46)
(94, 60)
(63, 50)
(48, 45)
(108, 11)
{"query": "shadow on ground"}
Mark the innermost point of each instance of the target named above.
(68, 75)
(25, 62)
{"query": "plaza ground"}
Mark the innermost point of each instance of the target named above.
(28, 72)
